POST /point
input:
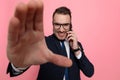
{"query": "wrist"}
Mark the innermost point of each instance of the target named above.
(76, 50)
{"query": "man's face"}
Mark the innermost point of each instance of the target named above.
(61, 25)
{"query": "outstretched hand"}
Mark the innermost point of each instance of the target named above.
(26, 41)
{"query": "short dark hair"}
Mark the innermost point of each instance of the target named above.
(62, 10)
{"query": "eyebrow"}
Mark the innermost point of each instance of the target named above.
(60, 23)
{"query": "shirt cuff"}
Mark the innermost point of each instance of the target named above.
(79, 56)
(18, 70)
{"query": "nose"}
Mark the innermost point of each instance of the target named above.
(61, 28)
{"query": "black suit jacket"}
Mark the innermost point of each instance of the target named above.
(50, 71)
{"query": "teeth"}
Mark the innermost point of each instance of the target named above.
(61, 34)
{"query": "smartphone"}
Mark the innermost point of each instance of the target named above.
(70, 27)
(70, 42)
(70, 30)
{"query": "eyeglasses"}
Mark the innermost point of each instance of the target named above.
(66, 26)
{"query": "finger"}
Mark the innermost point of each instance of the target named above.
(39, 16)
(20, 13)
(60, 60)
(69, 35)
(30, 15)
(70, 39)
(13, 31)
(70, 32)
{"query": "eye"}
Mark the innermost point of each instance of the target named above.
(66, 24)
(56, 24)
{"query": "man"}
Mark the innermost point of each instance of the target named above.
(27, 45)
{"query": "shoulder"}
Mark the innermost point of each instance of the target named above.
(49, 38)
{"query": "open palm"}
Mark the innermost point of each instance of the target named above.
(26, 42)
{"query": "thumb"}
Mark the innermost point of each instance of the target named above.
(60, 60)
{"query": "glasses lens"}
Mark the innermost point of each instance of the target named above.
(58, 25)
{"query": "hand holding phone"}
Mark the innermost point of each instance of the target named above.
(72, 39)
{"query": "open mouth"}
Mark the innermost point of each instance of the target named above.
(61, 34)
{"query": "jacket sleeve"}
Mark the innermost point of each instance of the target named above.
(13, 72)
(84, 64)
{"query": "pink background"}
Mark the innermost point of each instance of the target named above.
(97, 23)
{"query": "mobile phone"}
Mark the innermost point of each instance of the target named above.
(70, 30)
(70, 27)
